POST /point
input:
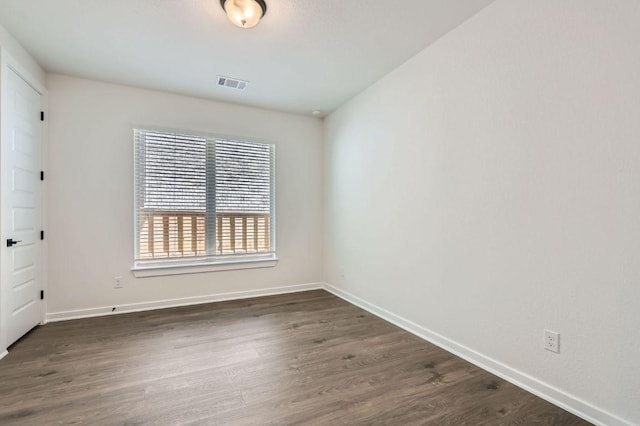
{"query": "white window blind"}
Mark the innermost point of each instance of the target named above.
(201, 198)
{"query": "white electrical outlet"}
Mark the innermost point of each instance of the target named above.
(552, 341)
(117, 282)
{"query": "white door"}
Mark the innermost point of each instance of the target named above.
(21, 206)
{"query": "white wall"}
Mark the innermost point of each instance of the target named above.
(21, 56)
(90, 178)
(487, 189)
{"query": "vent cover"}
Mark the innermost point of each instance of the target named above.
(232, 83)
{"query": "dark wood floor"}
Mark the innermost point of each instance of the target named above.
(305, 358)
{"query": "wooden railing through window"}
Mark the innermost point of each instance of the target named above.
(175, 234)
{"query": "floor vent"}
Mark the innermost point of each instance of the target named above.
(232, 83)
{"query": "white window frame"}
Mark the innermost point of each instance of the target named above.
(178, 266)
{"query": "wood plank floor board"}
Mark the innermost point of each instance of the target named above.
(304, 358)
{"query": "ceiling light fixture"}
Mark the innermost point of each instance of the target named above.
(244, 13)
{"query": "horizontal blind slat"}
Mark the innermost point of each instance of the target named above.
(172, 204)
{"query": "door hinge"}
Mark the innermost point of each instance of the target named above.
(42, 235)
(41, 175)
(41, 294)
(41, 115)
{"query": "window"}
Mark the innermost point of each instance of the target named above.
(202, 200)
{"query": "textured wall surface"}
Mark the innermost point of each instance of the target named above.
(91, 192)
(487, 189)
(24, 59)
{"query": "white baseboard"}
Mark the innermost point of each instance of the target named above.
(172, 303)
(531, 384)
(3, 354)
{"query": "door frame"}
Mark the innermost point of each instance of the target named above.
(9, 64)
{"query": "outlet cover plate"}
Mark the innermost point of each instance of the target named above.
(552, 341)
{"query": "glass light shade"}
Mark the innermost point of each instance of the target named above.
(244, 13)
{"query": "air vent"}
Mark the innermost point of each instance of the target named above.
(232, 83)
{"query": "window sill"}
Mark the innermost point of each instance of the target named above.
(158, 270)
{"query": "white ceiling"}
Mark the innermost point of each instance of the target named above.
(305, 55)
